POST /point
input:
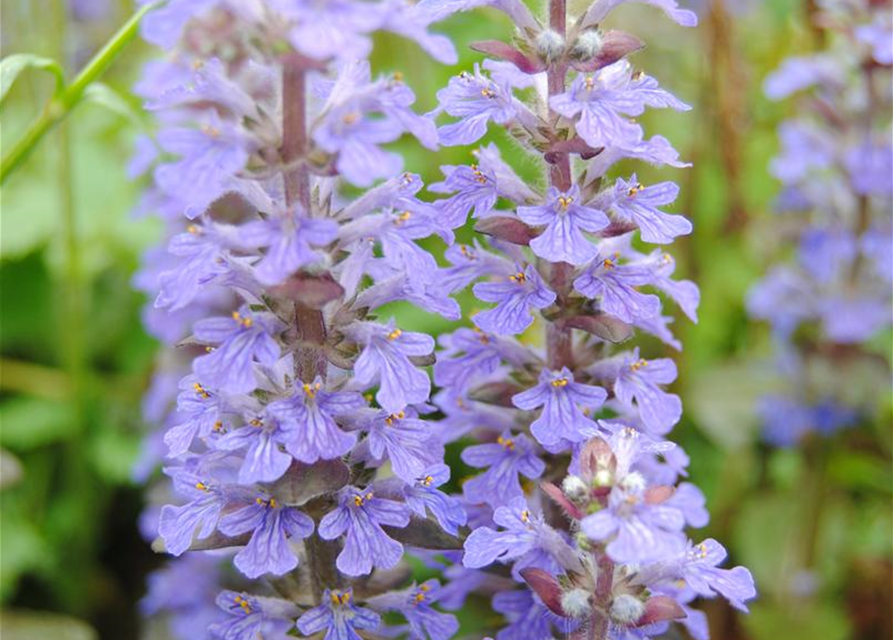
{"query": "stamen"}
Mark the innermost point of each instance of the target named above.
(508, 443)
(396, 333)
(560, 382)
(519, 277)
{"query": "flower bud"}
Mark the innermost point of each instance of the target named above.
(575, 603)
(626, 609)
(587, 45)
(574, 488)
(633, 482)
(549, 45)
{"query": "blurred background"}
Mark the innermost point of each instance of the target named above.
(814, 523)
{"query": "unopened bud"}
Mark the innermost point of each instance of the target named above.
(549, 45)
(575, 603)
(574, 488)
(587, 45)
(626, 609)
(634, 482)
(603, 478)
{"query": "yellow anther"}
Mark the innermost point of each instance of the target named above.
(508, 443)
(398, 76)
(635, 366)
(634, 190)
(245, 322)
(589, 83)
(209, 349)
(396, 333)
(425, 588)
(478, 175)
(525, 516)
(667, 258)
(638, 75)
(428, 480)
(467, 252)
(560, 382)
(391, 419)
(358, 501)
(419, 597)
(200, 391)
(608, 263)
(403, 217)
(487, 92)
(350, 118)
(201, 486)
(242, 602)
(194, 230)
(368, 496)
(256, 422)
(311, 390)
(565, 202)
(218, 426)
(519, 277)
(211, 132)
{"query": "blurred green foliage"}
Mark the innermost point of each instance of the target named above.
(814, 524)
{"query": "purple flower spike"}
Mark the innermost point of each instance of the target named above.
(198, 518)
(515, 298)
(271, 525)
(385, 359)
(242, 339)
(615, 287)
(338, 616)
(307, 421)
(474, 189)
(507, 458)
(358, 518)
(561, 398)
(251, 617)
(637, 204)
(262, 440)
(565, 219)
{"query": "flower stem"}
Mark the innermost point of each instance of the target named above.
(310, 325)
(65, 100)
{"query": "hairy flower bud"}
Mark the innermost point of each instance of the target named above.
(576, 603)
(626, 609)
(574, 488)
(587, 45)
(549, 45)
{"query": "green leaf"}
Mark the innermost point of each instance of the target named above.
(104, 96)
(19, 625)
(11, 66)
(33, 422)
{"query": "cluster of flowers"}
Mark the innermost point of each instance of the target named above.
(285, 395)
(576, 495)
(835, 165)
(299, 440)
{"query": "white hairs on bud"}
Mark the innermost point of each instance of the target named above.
(575, 603)
(574, 487)
(626, 609)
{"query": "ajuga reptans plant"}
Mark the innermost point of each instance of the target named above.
(831, 306)
(303, 458)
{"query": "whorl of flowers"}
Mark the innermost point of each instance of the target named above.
(299, 449)
(577, 515)
(828, 302)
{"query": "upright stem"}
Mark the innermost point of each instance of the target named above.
(310, 325)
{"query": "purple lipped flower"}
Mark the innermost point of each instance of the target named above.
(338, 616)
(468, 263)
(359, 518)
(200, 413)
(631, 202)
(565, 219)
(289, 240)
(241, 339)
(684, 17)
(191, 611)
(528, 619)
(685, 293)
(561, 399)
(415, 604)
(702, 574)
(602, 102)
(476, 100)
(635, 530)
(616, 288)
(251, 617)
(638, 380)
(692, 503)
(210, 157)
(470, 353)
(337, 29)
(474, 190)
(307, 421)
(524, 539)
(505, 459)
(163, 25)
(385, 359)
(261, 441)
(514, 298)
(207, 487)
(271, 525)
(423, 496)
(799, 73)
(408, 442)
(203, 251)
